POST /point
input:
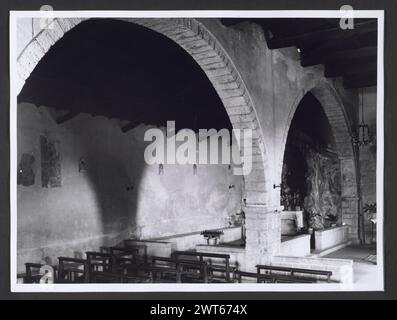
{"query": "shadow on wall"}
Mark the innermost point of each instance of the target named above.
(91, 204)
(111, 164)
(115, 185)
(106, 191)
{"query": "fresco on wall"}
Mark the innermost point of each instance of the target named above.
(50, 163)
(26, 174)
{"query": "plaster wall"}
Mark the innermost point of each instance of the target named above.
(116, 196)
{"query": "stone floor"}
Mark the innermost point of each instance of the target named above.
(364, 271)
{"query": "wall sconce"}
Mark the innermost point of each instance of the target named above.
(82, 164)
(161, 169)
(276, 186)
(231, 186)
(361, 134)
(195, 169)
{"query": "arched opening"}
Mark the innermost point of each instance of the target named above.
(337, 119)
(131, 73)
(311, 187)
(108, 81)
(311, 170)
(204, 48)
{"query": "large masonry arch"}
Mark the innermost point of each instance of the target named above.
(193, 37)
(262, 220)
(333, 107)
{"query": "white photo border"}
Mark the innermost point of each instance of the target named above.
(185, 287)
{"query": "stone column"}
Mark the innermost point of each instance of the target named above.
(350, 198)
(263, 234)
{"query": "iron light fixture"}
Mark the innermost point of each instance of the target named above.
(361, 134)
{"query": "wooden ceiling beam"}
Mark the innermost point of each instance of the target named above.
(66, 116)
(233, 21)
(349, 69)
(132, 124)
(311, 59)
(300, 39)
(355, 82)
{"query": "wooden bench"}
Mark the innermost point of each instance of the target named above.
(270, 278)
(293, 271)
(98, 262)
(117, 265)
(122, 258)
(291, 279)
(72, 270)
(163, 269)
(106, 277)
(192, 271)
(260, 278)
(141, 248)
(224, 268)
(125, 261)
(32, 272)
(179, 270)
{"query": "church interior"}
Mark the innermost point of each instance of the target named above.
(91, 210)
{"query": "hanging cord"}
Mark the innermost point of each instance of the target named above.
(362, 106)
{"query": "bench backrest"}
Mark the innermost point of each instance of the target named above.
(294, 271)
(140, 248)
(201, 254)
(99, 261)
(221, 260)
(163, 262)
(69, 268)
(29, 268)
(259, 277)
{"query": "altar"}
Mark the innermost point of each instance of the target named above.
(291, 222)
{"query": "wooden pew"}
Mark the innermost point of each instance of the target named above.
(222, 267)
(292, 279)
(122, 258)
(106, 277)
(192, 271)
(179, 270)
(98, 262)
(72, 270)
(32, 274)
(260, 278)
(270, 278)
(116, 265)
(293, 271)
(142, 250)
(163, 269)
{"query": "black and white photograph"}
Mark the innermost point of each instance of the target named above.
(196, 151)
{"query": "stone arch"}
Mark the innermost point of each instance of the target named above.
(205, 49)
(334, 109)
